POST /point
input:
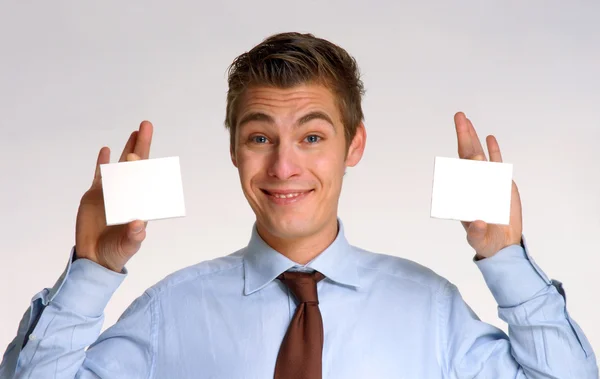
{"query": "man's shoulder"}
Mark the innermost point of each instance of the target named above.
(398, 269)
(228, 267)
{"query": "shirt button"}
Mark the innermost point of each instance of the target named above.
(32, 337)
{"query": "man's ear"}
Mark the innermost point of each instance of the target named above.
(357, 147)
(232, 155)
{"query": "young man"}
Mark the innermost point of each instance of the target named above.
(298, 301)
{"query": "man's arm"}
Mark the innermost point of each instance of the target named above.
(63, 321)
(543, 341)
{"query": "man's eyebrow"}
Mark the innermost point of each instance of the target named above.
(263, 117)
(316, 115)
(256, 116)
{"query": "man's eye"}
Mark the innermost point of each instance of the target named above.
(313, 138)
(259, 139)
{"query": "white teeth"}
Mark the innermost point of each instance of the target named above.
(289, 195)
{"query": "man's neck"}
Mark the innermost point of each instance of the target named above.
(302, 249)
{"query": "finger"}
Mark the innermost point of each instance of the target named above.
(477, 148)
(133, 157)
(465, 146)
(493, 149)
(129, 146)
(103, 158)
(144, 140)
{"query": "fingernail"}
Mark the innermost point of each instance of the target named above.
(138, 229)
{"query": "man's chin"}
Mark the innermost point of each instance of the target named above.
(290, 227)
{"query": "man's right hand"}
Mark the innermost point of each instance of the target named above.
(111, 246)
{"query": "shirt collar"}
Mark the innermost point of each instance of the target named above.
(262, 264)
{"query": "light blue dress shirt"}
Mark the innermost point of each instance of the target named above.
(384, 317)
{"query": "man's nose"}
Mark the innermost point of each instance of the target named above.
(284, 162)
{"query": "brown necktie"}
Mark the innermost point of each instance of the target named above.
(301, 352)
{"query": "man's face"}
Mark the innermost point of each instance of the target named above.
(290, 152)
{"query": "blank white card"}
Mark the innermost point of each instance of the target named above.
(469, 190)
(148, 189)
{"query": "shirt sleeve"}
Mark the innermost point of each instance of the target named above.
(543, 340)
(64, 320)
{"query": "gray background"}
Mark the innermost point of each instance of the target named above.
(75, 76)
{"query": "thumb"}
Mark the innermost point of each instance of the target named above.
(135, 233)
(476, 233)
(119, 244)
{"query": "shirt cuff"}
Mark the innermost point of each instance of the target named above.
(85, 287)
(512, 276)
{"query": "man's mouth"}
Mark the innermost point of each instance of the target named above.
(286, 196)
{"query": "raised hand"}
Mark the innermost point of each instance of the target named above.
(111, 246)
(487, 239)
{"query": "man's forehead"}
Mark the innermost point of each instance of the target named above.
(297, 99)
(299, 93)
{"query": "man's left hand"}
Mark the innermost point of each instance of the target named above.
(487, 239)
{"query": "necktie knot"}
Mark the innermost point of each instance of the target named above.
(303, 285)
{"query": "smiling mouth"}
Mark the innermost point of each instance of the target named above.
(284, 197)
(286, 194)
